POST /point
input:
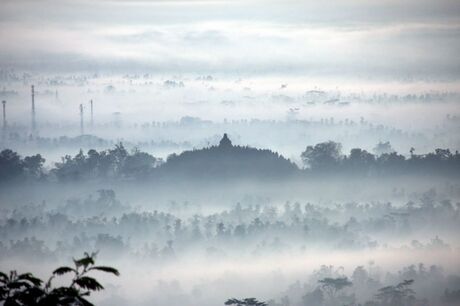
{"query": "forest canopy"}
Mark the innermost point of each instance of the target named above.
(228, 161)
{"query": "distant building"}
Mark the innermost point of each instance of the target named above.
(227, 161)
(225, 142)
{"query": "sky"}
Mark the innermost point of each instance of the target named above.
(388, 39)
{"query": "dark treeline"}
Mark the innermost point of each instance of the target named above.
(227, 161)
(327, 158)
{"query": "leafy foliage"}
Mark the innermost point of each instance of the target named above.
(398, 295)
(13, 167)
(112, 163)
(326, 158)
(245, 302)
(332, 285)
(323, 155)
(227, 160)
(25, 289)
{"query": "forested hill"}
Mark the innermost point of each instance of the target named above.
(228, 161)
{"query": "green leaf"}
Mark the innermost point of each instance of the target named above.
(106, 269)
(89, 283)
(85, 261)
(64, 291)
(29, 277)
(19, 285)
(63, 270)
(232, 301)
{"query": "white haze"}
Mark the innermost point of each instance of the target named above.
(169, 76)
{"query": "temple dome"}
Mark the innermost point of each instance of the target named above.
(225, 142)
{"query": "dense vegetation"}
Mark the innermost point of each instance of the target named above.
(228, 161)
(158, 235)
(41, 234)
(28, 290)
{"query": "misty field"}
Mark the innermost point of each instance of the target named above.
(228, 152)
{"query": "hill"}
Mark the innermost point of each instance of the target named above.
(228, 161)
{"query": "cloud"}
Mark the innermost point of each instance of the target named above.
(386, 38)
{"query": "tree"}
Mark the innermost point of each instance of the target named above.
(245, 302)
(391, 163)
(399, 295)
(115, 163)
(10, 165)
(333, 285)
(33, 165)
(359, 160)
(322, 156)
(383, 148)
(316, 297)
(451, 297)
(25, 289)
(138, 164)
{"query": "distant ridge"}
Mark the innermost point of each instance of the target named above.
(228, 161)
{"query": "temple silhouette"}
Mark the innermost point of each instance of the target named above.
(225, 142)
(228, 161)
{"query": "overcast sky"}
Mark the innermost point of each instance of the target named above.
(386, 38)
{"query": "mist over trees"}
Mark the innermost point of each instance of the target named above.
(242, 215)
(327, 157)
(112, 163)
(15, 168)
(240, 153)
(38, 233)
(26, 289)
(228, 161)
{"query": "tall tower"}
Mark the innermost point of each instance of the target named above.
(81, 119)
(4, 114)
(33, 109)
(91, 102)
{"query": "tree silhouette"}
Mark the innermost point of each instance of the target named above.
(383, 148)
(225, 161)
(322, 156)
(399, 295)
(25, 289)
(333, 285)
(12, 166)
(245, 302)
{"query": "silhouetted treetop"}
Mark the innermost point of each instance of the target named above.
(226, 161)
(26, 289)
(245, 302)
(327, 158)
(14, 167)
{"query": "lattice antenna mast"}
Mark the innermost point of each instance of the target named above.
(33, 109)
(92, 122)
(4, 114)
(81, 119)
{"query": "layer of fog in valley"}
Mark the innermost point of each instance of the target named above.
(215, 152)
(227, 220)
(168, 114)
(203, 188)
